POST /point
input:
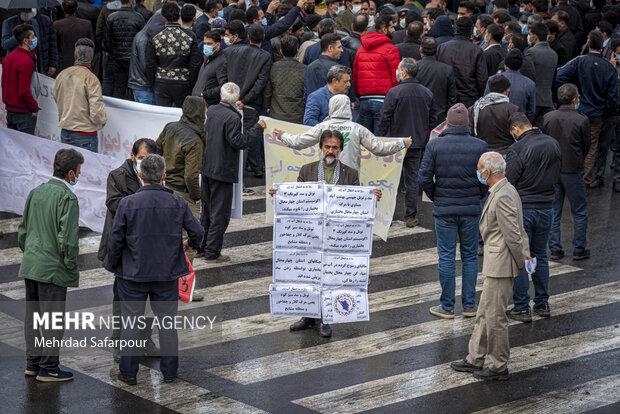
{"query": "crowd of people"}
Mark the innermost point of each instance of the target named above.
(519, 96)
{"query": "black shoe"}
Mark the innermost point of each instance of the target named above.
(464, 366)
(200, 253)
(150, 349)
(617, 187)
(556, 255)
(596, 183)
(487, 374)
(116, 354)
(412, 222)
(127, 380)
(325, 331)
(524, 315)
(303, 323)
(542, 310)
(581, 255)
(170, 379)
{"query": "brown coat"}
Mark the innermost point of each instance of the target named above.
(68, 31)
(310, 172)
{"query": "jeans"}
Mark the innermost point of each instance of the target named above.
(411, 167)
(369, 114)
(537, 223)
(89, 142)
(466, 228)
(573, 187)
(144, 97)
(169, 94)
(164, 298)
(21, 121)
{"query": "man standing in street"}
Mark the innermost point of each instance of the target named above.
(48, 236)
(68, 31)
(572, 130)
(533, 167)
(207, 84)
(220, 168)
(408, 110)
(597, 80)
(147, 252)
(77, 93)
(447, 177)
(545, 61)
(17, 70)
(317, 106)
(505, 253)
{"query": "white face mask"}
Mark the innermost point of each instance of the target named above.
(138, 162)
(356, 8)
(227, 41)
(27, 16)
(371, 20)
(340, 9)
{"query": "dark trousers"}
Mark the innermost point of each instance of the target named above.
(411, 166)
(42, 298)
(169, 94)
(216, 204)
(107, 86)
(590, 158)
(21, 121)
(254, 153)
(121, 77)
(164, 298)
(116, 313)
(605, 142)
(616, 149)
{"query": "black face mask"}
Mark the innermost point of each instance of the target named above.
(309, 9)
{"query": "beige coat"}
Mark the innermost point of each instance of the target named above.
(77, 93)
(501, 227)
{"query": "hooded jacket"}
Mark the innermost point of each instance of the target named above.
(182, 146)
(374, 69)
(442, 30)
(354, 135)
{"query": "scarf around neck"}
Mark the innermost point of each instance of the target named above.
(488, 99)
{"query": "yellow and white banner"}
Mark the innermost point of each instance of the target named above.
(282, 164)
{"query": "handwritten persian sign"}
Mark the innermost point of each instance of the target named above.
(299, 199)
(339, 270)
(297, 267)
(295, 300)
(351, 202)
(348, 236)
(298, 233)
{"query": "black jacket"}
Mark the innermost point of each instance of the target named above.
(351, 43)
(146, 240)
(439, 78)
(249, 67)
(172, 56)
(284, 93)
(572, 130)
(207, 84)
(409, 49)
(559, 48)
(408, 111)
(492, 126)
(144, 12)
(120, 29)
(591, 19)
(122, 182)
(224, 140)
(533, 165)
(470, 69)
(493, 55)
(567, 39)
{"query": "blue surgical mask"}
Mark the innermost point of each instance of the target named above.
(523, 28)
(475, 32)
(207, 50)
(74, 181)
(578, 104)
(482, 180)
(220, 13)
(35, 41)
(264, 21)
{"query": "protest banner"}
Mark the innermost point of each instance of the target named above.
(282, 165)
(293, 266)
(295, 300)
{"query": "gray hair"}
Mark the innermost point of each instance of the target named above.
(84, 51)
(492, 162)
(534, 18)
(336, 72)
(153, 168)
(230, 93)
(410, 66)
(567, 93)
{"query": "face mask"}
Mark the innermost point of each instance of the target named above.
(340, 9)
(521, 9)
(74, 181)
(227, 41)
(309, 9)
(475, 32)
(138, 162)
(356, 8)
(207, 50)
(35, 41)
(482, 180)
(26, 16)
(578, 103)
(371, 20)
(524, 28)
(529, 40)
(398, 77)
(428, 27)
(264, 21)
(220, 14)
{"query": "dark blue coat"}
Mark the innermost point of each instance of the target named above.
(452, 160)
(146, 240)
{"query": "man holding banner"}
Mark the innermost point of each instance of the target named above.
(354, 135)
(332, 171)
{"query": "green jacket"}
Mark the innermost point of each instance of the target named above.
(48, 235)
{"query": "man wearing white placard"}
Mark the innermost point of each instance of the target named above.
(332, 171)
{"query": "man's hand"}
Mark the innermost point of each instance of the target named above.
(300, 4)
(272, 192)
(186, 247)
(239, 105)
(378, 193)
(353, 106)
(523, 268)
(407, 142)
(197, 201)
(613, 59)
(277, 133)
(51, 71)
(273, 6)
(35, 114)
(262, 124)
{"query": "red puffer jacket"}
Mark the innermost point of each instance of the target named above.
(374, 68)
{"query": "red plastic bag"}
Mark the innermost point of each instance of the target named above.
(186, 284)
